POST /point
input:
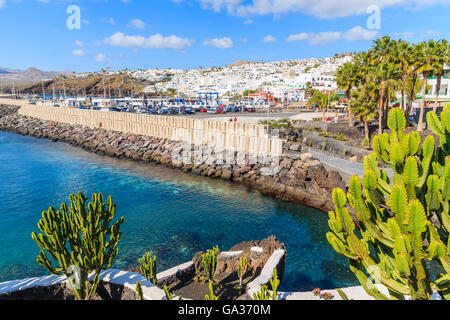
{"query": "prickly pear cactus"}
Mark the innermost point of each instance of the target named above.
(79, 240)
(404, 223)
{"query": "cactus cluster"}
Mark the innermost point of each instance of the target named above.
(264, 293)
(242, 268)
(404, 223)
(209, 263)
(80, 240)
(148, 267)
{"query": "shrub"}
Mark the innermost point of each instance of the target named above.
(404, 224)
(79, 240)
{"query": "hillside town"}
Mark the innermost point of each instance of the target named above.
(285, 80)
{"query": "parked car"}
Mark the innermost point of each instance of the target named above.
(249, 109)
(221, 110)
(187, 110)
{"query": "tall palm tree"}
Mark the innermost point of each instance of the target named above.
(403, 55)
(427, 62)
(441, 57)
(385, 73)
(346, 80)
(364, 105)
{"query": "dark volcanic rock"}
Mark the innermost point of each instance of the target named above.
(292, 179)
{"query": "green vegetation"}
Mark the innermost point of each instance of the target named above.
(211, 295)
(148, 267)
(373, 78)
(322, 100)
(242, 268)
(404, 225)
(81, 241)
(339, 137)
(209, 263)
(139, 290)
(264, 293)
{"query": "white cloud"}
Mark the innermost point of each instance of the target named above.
(2, 3)
(137, 23)
(101, 58)
(360, 34)
(317, 8)
(269, 38)
(220, 43)
(323, 38)
(244, 40)
(78, 43)
(156, 41)
(78, 53)
(297, 37)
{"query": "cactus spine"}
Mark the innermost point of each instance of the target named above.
(79, 240)
(403, 223)
(148, 267)
(209, 262)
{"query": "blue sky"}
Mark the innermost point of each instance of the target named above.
(192, 33)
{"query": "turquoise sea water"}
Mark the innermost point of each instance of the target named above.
(170, 213)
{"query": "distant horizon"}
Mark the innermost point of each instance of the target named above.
(88, 35)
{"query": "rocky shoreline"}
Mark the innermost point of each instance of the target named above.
(297, 177)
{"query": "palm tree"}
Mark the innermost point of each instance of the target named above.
(403, 55)
(441, 57)
(385, 73)
(322, 100)
(346, 79)
(427, 62)
(364, 105)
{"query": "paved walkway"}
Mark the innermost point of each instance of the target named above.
(345, 167)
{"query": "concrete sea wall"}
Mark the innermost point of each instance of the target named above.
(223, 135)
(297, 177)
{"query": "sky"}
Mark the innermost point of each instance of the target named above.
(89, 35)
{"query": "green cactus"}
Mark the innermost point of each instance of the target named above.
(403, 223)
(139, 290)
(211, 295)
(209, 262)
(148, 267)
(79, 240)
(274, 283)
(242, 268)
(264, 293)
(170, 295)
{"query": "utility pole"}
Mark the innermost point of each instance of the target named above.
(43, 91)
(64, 88)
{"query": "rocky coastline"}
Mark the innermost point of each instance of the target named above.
(297, 177)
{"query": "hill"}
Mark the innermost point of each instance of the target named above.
(7, 76)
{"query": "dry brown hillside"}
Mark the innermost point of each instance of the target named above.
(98, 85)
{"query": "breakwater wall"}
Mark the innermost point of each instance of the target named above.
(298, 178)
(221, 135)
